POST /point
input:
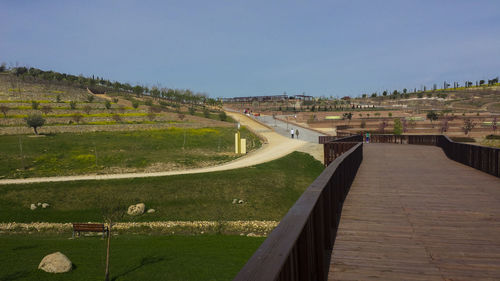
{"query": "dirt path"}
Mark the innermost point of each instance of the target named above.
(276, 147)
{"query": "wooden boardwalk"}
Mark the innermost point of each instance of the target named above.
(413, 214)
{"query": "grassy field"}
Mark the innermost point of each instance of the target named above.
(133, 257)
(268, 190)
(109, 152)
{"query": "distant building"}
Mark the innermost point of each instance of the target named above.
(304, 97)
(282, 97)
(257, 98)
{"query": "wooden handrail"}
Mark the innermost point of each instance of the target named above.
(486, 159)
(298, 248)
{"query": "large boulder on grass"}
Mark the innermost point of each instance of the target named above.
(55, 263)
(137, 209)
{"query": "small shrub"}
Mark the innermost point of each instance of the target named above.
(90, 98)
(151, 116)
(87, 109)
(115, 100)
(192, 110)
(154, 109)
(117, 118)
(493, 137)
(363, 124)
(107, 104)
(58, 98)
(46, 109)
(398, 127)
(181, 116)
(72, 104)
(148, 102)
(389, 114)
(206, 113)
(135, 104)
(35, 121)
(77, 117)
(222, 116)
(34, 104)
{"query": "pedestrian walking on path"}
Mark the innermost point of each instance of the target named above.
(297, 133)
(291, 132)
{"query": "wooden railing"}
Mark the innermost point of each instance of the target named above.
(299, 247)
(405, 139)
(338, 146)
(486, 159)
(325, 139)
(348, 138)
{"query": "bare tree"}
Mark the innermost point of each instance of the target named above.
(404, 123)
(87, 109)
(77, 117)
(468, 126)
(46, 109)
(112, 210)
(117, 118)
(151, 116)
(444, 125)
(382, 126)
(4, 110)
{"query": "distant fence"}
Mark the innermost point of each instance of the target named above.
(300, 246)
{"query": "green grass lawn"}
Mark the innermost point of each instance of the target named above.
(73, 153)
(133, 257)
(268, 190)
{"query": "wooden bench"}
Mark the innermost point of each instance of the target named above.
(90, 227)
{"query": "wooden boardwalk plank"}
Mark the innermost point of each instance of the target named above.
(413, 214)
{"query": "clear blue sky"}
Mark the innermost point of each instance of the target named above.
(238, 48)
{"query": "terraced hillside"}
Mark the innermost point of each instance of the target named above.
(67, 108)
(106, 133)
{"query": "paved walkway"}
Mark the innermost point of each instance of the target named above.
(283, 128)
(413, 214)
(276, 147)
